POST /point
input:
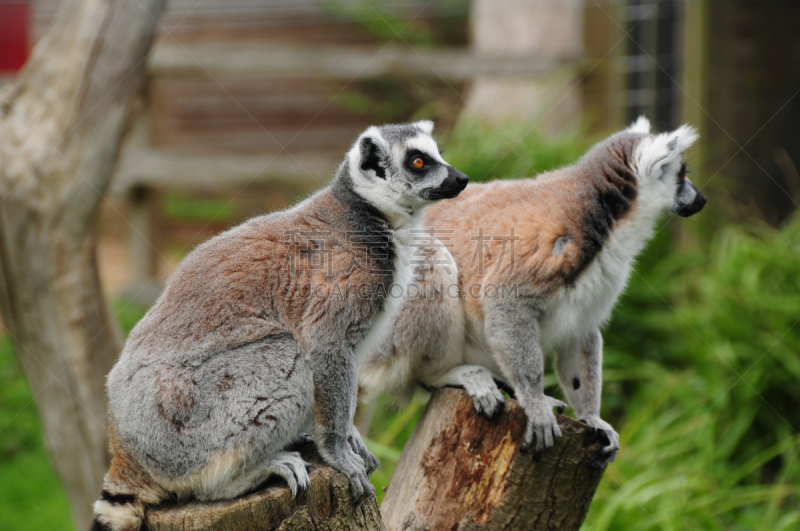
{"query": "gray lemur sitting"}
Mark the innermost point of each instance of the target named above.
(517, 269)
(258, 333)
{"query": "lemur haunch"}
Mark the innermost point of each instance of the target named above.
(522, 268)
(251, 343)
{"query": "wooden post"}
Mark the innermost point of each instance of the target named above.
(325, 506)
(462, 471)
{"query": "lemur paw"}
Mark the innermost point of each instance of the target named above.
(559, 405)
(486, 397)
(291, 467)
(343, 458)
(371, 462)
(609, 438)
(542, 423)
(360, 486)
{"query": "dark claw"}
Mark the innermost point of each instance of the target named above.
(609, 458)
(560, 410)
(497, 412)
(604, 440)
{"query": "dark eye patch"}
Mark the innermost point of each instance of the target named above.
(427, 159)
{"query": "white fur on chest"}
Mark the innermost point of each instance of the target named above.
(403, 239)
(574, 312)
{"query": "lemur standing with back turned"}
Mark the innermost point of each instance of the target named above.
(244, 352)
(537, 267)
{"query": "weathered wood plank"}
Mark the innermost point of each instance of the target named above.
(342, 62)
(159, 168)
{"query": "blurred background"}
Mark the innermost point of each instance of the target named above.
(249, 105)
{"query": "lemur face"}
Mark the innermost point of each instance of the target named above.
(662, 169)
(399, 168)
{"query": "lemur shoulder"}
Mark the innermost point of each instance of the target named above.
(521, 268)
(243, 352)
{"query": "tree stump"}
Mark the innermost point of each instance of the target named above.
(325, 506)
(462, 471)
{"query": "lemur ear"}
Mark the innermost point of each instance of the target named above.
(372, 155)
(641, 125)
(425, 125)
(666, 148)
(682, 138)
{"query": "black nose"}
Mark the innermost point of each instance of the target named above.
(460, 178)
(696, 206)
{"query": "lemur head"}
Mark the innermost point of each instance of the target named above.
(398, 168)
(661, 169)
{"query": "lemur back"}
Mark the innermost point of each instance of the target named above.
(254, 340)
(534, 266)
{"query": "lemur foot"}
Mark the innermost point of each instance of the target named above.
(347, 461)
(609, 438)
(291, 467)
(479, 384)
(542, 422)
(357, 444)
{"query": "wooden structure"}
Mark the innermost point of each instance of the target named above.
(459, 471)
(325, 506)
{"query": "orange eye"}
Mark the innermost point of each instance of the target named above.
(418, 163)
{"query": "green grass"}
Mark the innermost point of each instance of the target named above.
(31, 496)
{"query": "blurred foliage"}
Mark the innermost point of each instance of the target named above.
(701, 373)
(486, 152)
(401, 96)
(191, 208)
(384, 20)
(31, 497)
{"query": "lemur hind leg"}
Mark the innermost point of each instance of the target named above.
(512, 326)
(480, 385)
(287, 465)
(580, 373)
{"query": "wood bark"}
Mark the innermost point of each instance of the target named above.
(463, 471)
(325, 506)
(61, 123)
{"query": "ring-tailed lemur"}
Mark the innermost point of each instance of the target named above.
(521, 268)
(257, 335)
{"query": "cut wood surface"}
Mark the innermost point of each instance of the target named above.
(463, 471)
(325, 506)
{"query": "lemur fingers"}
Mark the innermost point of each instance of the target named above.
(541, 423)
(343, 458)
(486, 397)
(357, 444)
(559, 405)
(608, 437)
(291, 467)
(479, 384)
(488, 402)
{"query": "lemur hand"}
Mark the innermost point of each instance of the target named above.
(357, 444)
(611, 439)
(344, 459)
(542, 422)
